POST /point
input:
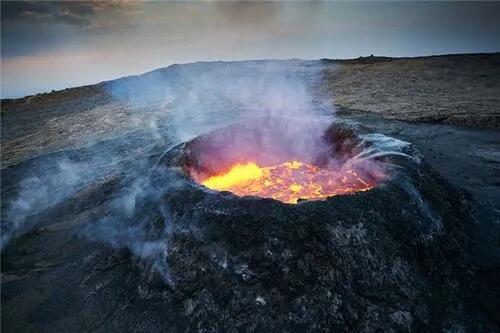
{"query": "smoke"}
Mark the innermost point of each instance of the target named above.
(209, 95)
(188, 101)
(40, 191)
(169, 106)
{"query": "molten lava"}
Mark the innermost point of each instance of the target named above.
(288, 182)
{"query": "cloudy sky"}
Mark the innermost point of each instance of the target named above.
(54, 44)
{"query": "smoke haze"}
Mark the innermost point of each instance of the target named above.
(174, 105)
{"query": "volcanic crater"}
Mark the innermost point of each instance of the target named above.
(338, 263)
(261, 225)
(283, 159)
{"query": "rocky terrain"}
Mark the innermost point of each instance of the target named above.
(101, 233)
(461, 90)
(458, 89)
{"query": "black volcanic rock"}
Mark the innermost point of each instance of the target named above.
(398, 257)
(404, 256)
(118, 238)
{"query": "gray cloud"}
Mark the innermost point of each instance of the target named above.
(30, 27)
(80, 13)
(61, 44)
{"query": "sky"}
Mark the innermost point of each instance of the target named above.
(48, 45)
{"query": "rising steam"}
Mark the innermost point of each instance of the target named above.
(172, 105)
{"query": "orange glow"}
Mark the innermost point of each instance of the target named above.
(288, 181)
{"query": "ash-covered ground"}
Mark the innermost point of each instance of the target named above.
(101, 233)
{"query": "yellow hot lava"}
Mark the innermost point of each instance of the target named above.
(288, 181)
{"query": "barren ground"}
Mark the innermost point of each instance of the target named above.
(446, 106)
(460, 89)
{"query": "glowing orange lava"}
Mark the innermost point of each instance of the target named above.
(288, 181)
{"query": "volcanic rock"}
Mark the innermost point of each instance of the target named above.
(396, 258)
(109, 233)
